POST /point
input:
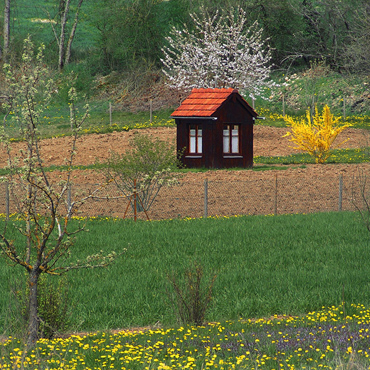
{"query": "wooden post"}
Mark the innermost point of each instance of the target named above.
(344, 108)
(110, 113)
(340, 198)
(151, 110)
(276, 196)
(253, 103)
(135, 205)
(7, 201)
(128, 205)
(313, 107)
(205, 198)
(283, 105)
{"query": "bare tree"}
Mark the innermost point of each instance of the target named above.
(357, 51)
(221, 52)
(65, 48)
(6, 29)
(43, 213)
(325, 29)
(72, 34)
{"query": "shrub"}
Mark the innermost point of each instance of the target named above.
(54, 308)
(191, 300)
(317, 134)
(142, 171)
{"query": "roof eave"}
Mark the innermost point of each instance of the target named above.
(195, 117)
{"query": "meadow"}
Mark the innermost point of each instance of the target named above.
(325, 339)
(310, 271)
(265, 265)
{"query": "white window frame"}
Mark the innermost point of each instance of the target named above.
(231, 139)
(195, 139)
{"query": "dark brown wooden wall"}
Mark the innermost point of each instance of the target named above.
(232, 111)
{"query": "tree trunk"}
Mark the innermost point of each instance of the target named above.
(34, 273)
(33, 320)
(72, 34)
(6, 29)
(63, 23)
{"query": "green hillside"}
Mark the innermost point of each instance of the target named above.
(318, 56)
(36, 18)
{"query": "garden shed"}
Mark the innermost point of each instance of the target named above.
(215, 129)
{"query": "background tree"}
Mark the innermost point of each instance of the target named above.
(125, 37)
(324, 31)
(131, 32)
(43, 213)
(6, 29)
(280, 23)
(357, 52)
(221, 52)
(62, 17)
(143, 170)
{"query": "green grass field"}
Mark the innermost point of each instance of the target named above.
(288, 264)
(314, 268)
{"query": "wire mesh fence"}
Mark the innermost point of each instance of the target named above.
(202, 198)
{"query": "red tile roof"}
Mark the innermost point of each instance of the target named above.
(202, 102)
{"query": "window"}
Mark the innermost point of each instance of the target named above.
(231, 139)
(195, 139)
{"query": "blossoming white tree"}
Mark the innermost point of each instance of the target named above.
(221, 52)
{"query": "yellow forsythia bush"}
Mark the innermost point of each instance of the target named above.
(315, 134)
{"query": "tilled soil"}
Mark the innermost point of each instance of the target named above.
(307, 188)
(268, 141)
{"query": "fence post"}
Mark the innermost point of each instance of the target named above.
(151, 110)
(205, 198)
(135, 202)
(7, 201)
(283, 105)
(340, 198)
(110, 113)
(344, 108)
(276, 196)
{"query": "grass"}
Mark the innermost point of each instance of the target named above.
(289, 264)
(257, 167)
(360, 155)
(31, 18)
(271, 118)
(344, 93)
(325, 339)
(55, 122)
